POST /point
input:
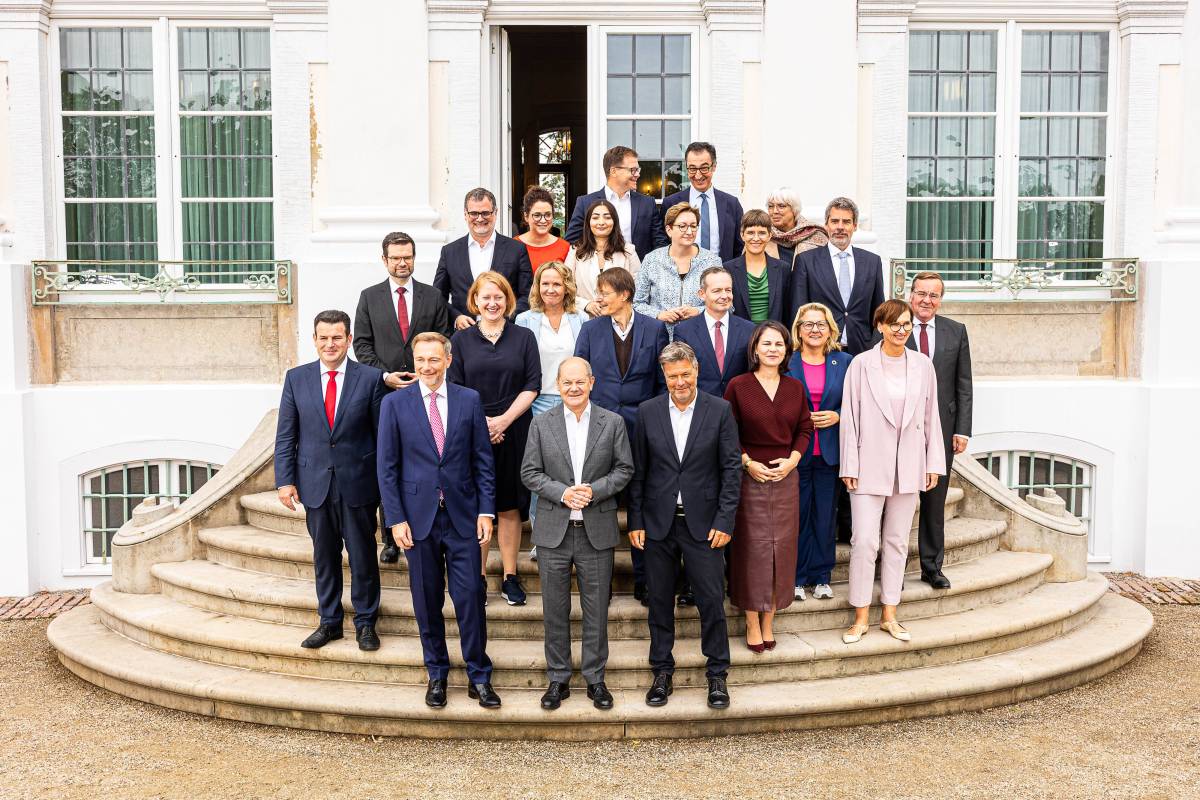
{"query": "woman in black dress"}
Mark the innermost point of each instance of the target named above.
(500, 361)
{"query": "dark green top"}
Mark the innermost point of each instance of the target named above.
(760, 296)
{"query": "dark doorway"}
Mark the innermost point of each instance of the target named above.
(549, 117)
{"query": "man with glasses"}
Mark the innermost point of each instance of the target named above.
(637, 214)
(945, 341)
(482, 249)
(720, 212)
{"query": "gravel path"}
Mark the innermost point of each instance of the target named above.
(1133, 734)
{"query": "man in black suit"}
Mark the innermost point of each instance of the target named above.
(482, 249)
(638, 215)
(683, 499)
(720, 212)
(848, 280)
(389, 315)
(945, 341)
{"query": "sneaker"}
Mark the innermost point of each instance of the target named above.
(533, 553)
(800, 593)
(823, 592)
(483, 588)
(512, 591)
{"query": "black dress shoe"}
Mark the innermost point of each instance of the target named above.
(555, 693)
(686, 598)
(718, 693)
(660, 690)
(937, 580)
(484, 694)
(483, 588)
(367, 638)
(435, 695)
(390, 553)
(600, 696)
(639, 593)
(323, 635)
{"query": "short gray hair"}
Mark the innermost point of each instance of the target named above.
(563, 363)
(678, 351)
(477, 194)
(845, 204)
(785, 194)
(712, 271)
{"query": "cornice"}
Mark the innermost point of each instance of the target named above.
(1151, 16)
(733, 15)
(884, 16)
(25, 15)
(456, 14)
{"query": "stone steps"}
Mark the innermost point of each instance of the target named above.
(1048, 611)
(996, 577)
(98, 654)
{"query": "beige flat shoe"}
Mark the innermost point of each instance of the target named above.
(854, 633)
(896, 630)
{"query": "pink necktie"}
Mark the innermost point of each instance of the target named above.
(719, 346)
(435, 423)
(925, 338)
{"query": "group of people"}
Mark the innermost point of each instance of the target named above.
(736, 380)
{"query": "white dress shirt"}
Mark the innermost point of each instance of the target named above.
(481, 255)
(340, 377)
(553, 347)
(931, 332)
(623, 333)
(837, 268)
(408, 295)
(713, 226)
(577, 432)
(624, 206)
(681, 424)
(711, 322)
(442, 405)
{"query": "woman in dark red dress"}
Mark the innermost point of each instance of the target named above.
(775, 427)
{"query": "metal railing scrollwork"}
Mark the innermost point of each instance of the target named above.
(997, 280)
(103, 282)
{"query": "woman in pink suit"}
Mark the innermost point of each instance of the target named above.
(891, 450)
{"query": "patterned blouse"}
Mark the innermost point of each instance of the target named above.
(659, 285)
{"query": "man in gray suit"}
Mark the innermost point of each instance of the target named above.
(945, 341)
(577, 459)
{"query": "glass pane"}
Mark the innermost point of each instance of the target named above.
(1091, 136)
(139, 52)
(1031, 180)
(950, 136)
(1064, 51)
(981, 93)
(1035, 51)
(951, 93)
(980, 177)
(648, 54)
(648, 139)
(983, 51)
(139, 91)
(1061, 172)
(920, 177)
(620, 131)
(193, 91)
(952, 51)
(921, 90)
(1035, 92)
(1033, 136)
(676, 136)
(77, 136)
(1094, 52)
(256, 48)
(76, 91)
(677, 95)
(620, 95)
(920, 136)
(951, 176)
(106, 91)
(648, 95)
(672, 177)
(137, 479)
(922, 50)
(620, 54)
(226, 90)
(78, 178)
(193, 48)
(981, 136)
(651, 180)
(1064, 92)
(256, 91)
(139, 135)
(106, 48)
(1091, 177)
(1093, 92)
(678, 54)
(75, 46)
(223, 48)
(1063, 135)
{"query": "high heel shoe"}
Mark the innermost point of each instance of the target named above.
(769, 644)
(757, 648)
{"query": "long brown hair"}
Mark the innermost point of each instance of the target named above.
(587, 240)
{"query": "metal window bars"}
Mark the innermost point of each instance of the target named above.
(106, 282)
(1027, 279)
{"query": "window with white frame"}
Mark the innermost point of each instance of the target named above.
(1026, 471)
(109, 495)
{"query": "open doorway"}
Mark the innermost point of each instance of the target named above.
(548, 117)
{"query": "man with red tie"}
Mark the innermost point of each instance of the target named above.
(325, 459)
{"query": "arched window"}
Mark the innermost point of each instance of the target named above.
(1030, 470)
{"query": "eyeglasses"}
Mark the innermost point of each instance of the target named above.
(685, 227)
(703, 169)
(927, 295)
(481, 215)
(401, 259)
(896, 327)
(756, 236)
(632, 170)
(778, 206)
(813, 326)
(539, 216)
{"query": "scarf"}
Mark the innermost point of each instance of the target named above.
(805, 236)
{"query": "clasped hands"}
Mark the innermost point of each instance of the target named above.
(577, 497)
(678, 314)
(775, 470)
(496, 428)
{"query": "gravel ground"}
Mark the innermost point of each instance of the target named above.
(1133, 734)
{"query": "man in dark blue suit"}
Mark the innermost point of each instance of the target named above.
(718, 338)
(482, 249)
(330, 402)
(683, 499)
(438, 483)
(639, 217)
(720, 212)
(848, 280)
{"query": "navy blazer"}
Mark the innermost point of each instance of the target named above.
(411, 472)
(779, 289)
(836, 365)
(709, 476)
(729, 220)
(814, 280)
(307, 455)
(738, 331)
(453, 278)
(647, 228)
(643, 379)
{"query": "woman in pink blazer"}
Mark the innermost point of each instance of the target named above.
(891, 449)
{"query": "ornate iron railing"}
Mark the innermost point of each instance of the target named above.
(104, 282)
(1000, 279)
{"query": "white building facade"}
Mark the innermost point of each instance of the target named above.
(225, 170)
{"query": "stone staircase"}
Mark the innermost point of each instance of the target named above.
(210, 601)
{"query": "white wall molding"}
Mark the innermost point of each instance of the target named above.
(452, 15)
(18, 15)
(733, 15)
(884, 16)
(1020, 10)
(1151, 16)
(148, 9)
(585, 11)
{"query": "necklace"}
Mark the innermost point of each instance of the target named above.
(492, 337)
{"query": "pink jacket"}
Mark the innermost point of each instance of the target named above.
(870, 451)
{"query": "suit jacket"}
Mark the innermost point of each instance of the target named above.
(547, 472)
(307, 455)
(709, 476)
(729, 220)
(738, 331)
(952, 363)
(646, 228)
(643, 379)
(882, 452)
(779, 289)
(453, 277)
(377, 339)
(814, 280)
(836, 364)
(411, 472)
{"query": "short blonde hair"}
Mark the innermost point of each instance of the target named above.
(510, 299)
(568, 279)
(835, 333)
(674, 211)
(431, 336)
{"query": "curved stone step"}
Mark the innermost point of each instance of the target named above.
(996, 577)
(171, 626)
(105, 658)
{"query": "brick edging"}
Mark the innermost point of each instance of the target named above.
(42, 605)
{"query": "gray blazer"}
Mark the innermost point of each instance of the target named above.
(952, 364)
(546, 471)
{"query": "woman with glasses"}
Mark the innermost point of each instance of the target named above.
(761, 282)
(668, 283)
(820, 366)
(600, 247)
(539, 239)
(791, 233)
(891, 450)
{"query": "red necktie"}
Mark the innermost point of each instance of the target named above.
(331, 397)
(402, 313)
(925, 338)
(719, 346)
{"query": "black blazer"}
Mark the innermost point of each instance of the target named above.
(952, 365)
(377, 339)
(814, 280)
(729, 220)
(779, 289)
(709, 476)
(647, 228)
(453, 277)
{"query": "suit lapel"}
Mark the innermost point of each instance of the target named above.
(352, 376)
(861, 286)
(313, 379)
(878, 384)
(827, 275)
(421, 414)
(639, 330)
(741, 286)
(828, 401)
(595, 428)
(558, 418)
(664, 419)
(912, 388)
(776, 277)
(698, 414)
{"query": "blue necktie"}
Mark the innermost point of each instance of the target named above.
(844, 278)
(705, 229)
